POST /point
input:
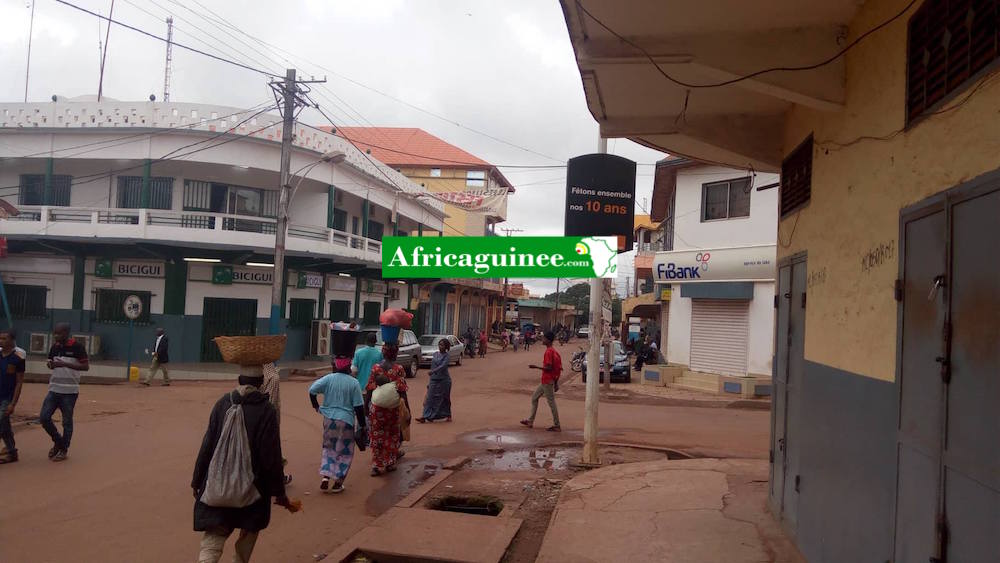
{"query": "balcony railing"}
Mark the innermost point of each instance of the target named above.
(143, 224)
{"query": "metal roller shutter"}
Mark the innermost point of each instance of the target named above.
(719, 335)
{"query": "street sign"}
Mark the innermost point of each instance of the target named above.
(600, 198)
(132, 307)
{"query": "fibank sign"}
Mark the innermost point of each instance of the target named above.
(745, 263)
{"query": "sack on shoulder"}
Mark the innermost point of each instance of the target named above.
(386, 396)
(230, 482)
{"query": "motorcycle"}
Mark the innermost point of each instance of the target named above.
(576, 363)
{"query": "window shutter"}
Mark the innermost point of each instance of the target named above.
(796, 177)
(948, 42)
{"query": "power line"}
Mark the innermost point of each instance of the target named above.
(87, 178)
(133, 136)
(819, 64)
(222, 21)
(157, 37)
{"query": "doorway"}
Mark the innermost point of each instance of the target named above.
(789, 365)
(947, 480)
(225, 317)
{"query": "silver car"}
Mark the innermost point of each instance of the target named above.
(429, 345)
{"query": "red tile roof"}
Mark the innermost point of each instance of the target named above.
(409, 146)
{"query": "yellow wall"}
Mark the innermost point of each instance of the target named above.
(459, 222)
(858, 191)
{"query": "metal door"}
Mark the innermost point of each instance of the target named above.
(924, 314)
(225, 317)
(971, 454)
(779, 396)
(719, 336)
(340, 310)
(793, 385)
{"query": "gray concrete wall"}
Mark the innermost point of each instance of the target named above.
(846, 428)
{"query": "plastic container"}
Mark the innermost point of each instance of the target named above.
(390, 334)
(133, 373)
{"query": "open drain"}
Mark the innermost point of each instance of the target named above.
(368, 556)
(479, 505)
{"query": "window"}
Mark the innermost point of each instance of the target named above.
(725, 200)
(161, 190)
(110, 302)
(372, 310)
(376, 230)
(435, 172)
(340, 310)
(339, 219)
(948, 43)
(32, 190)
(26, 301)
(475, 178)
(796, 177)
(301, 312)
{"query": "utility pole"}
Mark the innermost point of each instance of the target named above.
(557, 301)
(27, 65)
(507, 231)
(170, 58)
(590, 449)
(104, 56)
(288, 90)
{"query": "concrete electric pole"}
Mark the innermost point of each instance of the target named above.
(590, 448)
(288, 91)
(505, 280)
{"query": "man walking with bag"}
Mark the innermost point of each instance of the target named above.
(237, 472)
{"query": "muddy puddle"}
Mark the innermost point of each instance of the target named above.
(557, 458)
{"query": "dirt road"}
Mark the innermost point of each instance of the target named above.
(124, 494)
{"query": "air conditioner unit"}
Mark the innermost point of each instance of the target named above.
(91, 343)
(38, 343)
(319, 338)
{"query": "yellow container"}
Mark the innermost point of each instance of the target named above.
(133, 373)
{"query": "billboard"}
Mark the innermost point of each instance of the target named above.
(745, 263)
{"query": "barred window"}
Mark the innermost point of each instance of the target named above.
(161, 190)
(301, 312)
(26, 301)
(32, 190)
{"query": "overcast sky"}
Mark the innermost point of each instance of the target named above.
(505, 69)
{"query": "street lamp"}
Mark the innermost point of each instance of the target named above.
(281, 231)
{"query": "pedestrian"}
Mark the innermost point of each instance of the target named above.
(272, 388)
(161, 357)
(343, 413)
(642, 354)
(483, 342)
(504, 340)
(384, 424)
(11, 379)
(67, 358)
(529, 338)
(551, 368)
(437, 403)
(264, 444)
(364, 358)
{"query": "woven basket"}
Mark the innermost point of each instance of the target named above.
(251, 350)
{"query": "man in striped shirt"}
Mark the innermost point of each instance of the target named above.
(67, 358)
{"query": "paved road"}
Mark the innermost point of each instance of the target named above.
(124, 493)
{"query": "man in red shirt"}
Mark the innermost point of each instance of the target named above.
(551, 368)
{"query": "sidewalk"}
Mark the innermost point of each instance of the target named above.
(690, 511)
(113, 371)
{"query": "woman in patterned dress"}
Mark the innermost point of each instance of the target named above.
(383, 423)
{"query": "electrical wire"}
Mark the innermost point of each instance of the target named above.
(180, 45)
(219, 20)
(738, 79)
(137, 136)
(88, 178)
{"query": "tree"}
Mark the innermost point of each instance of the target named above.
(577, 295)
(616, 310)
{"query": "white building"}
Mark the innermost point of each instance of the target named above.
(177, 203)
(719, 318)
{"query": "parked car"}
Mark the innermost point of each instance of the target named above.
(583, 331)
(409, 349)
(620, 370)
(429, 345)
